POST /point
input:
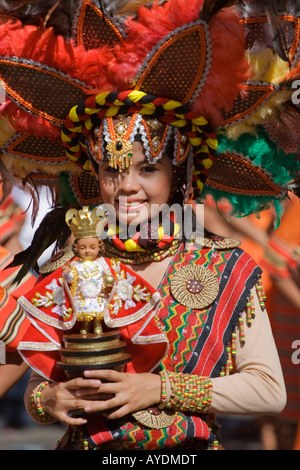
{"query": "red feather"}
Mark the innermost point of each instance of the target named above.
(45, 47)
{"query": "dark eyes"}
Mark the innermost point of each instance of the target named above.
(109, 169)
(148, 168)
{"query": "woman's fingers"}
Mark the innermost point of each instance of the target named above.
(69, 420)
(103, 405)
(118, 413)
(109, 375)
(59, 399)
(110, 392)
(132, 392)
(82, 383)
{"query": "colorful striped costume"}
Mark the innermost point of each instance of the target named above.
(13, 322)
(200, 342)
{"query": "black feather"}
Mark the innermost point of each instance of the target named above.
(52, 229)
(278, 37)
(295, 186)
(211, 7)
(54, 13)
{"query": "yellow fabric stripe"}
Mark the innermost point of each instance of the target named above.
(88, 124)
(87, 165)
(207, 163)
(172, 104)
(161, 232)
(212, 143)
(200, 185)
(118, 103)
(91, 110)
(73, 114)
(101, 98)
(112, 230)
(130, 245)
(147, 110)
(112, 111)
(204, 149)
(77, 129)
(200, 121)
(71, 157)
(75, 149)
(65, 138)
(179, 123)
(136, 95)
(195, 141)
(177, 229)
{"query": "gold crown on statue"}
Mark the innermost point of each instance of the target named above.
(86, 223)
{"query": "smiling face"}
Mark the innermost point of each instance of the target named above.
(87, 248)
(136, 192)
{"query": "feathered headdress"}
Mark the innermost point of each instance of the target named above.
(211, 73)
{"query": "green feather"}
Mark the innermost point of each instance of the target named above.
(66, 194)
(283, 169)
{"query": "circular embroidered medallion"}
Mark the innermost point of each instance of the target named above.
(155, 418)
(57, 260)
(194, 286)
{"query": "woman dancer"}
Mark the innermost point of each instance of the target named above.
(192, 382)
(152, 105)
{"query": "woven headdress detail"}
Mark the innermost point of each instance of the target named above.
(207, 69)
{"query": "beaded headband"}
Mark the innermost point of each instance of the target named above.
(114, 139)
(208, 72)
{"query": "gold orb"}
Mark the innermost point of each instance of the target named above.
(109, 280)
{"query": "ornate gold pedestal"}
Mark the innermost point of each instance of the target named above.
(93, 352)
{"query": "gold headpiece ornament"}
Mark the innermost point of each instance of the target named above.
(85, 223)
(119, 149)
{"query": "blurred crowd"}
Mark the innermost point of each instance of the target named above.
(275, 247)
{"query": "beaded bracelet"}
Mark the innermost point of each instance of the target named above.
(36, 410)
(165, 389)
(185, 392)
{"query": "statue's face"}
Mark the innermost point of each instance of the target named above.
(87, 248)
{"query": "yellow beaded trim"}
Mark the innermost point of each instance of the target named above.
(186, 392)
(250, 316)
(35, 409)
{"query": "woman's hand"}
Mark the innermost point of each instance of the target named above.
(58, 399)
(131, 392)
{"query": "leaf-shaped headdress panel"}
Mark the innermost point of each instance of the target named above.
(179, 66)
(42, 75)
(93, 29)
(35, 88)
